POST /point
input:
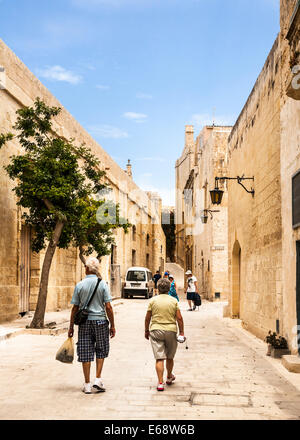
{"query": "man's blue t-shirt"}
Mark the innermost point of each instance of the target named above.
(83, 291)
(156, 277)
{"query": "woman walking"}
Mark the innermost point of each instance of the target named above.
(173, 288)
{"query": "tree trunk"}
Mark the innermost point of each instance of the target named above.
(81, 256)
(39, 315)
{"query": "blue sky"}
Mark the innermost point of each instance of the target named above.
(135, 72)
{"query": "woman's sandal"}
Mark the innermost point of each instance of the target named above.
(170, 380)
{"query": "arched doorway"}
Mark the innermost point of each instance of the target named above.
(236, 281)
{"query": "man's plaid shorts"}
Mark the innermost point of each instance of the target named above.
(93, 336)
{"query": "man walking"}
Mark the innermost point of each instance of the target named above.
(156, 278)
(93, 335)
(191, 289)
(163, 313)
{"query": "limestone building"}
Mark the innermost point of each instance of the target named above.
(144, 245)
(290, 165)
(255, 224)
(183, 169)
(264, 228)
(201, 235)
(264, 239)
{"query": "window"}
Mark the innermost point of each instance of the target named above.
(113, 255)
(148, 239)
(136, 275)
(133, 257)
(296, 199)
(134, 233)
(147, 260)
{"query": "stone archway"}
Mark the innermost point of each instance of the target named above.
(236, 281)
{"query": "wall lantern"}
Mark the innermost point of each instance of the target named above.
(204, 216)
(217, 194)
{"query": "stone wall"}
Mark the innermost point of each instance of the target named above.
(21, 89)
(290, 164)
(255, 225)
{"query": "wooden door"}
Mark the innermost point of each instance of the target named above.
(236, 281)
(25, 269)
(298, 294)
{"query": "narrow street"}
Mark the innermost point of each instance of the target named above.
(223, 375)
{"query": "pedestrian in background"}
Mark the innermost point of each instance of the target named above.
(191, 289)
(93, 335)
(164, 314)
(156, 278)
(173, 288)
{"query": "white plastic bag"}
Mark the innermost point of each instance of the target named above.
(66, 352)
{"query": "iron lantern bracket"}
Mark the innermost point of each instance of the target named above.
(206, 211)
(239, 180)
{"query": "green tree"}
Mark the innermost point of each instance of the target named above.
(61, 186)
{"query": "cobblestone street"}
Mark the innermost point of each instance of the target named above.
(223, 375)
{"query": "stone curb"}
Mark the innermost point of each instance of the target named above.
(60, 328)
(11, 334)
(258, 345)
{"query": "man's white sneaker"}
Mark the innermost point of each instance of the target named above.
(99, 386)
(87, 388)
(160, 387)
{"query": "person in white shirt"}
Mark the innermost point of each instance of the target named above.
(191, 289)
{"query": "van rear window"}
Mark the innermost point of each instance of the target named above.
(136, 275)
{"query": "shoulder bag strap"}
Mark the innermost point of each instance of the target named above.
(93, 294)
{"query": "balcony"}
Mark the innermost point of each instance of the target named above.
(294, 23)
(293, 37)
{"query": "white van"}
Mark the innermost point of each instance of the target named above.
(138, 282)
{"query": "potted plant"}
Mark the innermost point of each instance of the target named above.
(270, 340)
(277, 345)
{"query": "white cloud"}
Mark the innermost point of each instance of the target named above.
(136, 117)
(102, 87)
(58, 73)
(144, 96)
(107, 131)
(202, 119)
(88, 66)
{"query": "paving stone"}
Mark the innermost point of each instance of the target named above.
(223, 400)
(215, 380)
